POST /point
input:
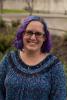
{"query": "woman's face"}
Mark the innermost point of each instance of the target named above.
(33, 37)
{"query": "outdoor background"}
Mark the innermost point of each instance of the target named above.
(54, 12)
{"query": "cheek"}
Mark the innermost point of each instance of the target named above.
(25, 40)
(23, 37)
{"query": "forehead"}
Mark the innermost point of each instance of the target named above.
(35, 25)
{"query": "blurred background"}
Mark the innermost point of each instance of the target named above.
(54, 12)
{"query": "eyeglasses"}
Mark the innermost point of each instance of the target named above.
(30, 33)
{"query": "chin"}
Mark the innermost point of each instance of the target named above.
(32, 49)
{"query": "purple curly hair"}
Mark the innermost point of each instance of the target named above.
(18, 43)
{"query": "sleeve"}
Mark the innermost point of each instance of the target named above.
(3, 69)
(58, 83)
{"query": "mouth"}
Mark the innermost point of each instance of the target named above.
(32, 42)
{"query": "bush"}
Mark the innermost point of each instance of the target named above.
(1, 55)
(15, 23)
(2, 23)
(5, 42)
(65, 37)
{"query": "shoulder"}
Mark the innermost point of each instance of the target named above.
(51, 59)
(5, 63)
(55, 59)
(55, 62)
(58, 66)
(5, 59)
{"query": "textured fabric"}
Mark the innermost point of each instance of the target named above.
(18, 81)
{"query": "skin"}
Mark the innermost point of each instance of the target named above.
(32, 54)
(32, 43)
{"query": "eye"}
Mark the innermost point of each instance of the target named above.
(28, 32)
(38, 33)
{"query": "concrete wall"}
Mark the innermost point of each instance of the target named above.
(14, 4)
(54, 6)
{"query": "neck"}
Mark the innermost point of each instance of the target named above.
(32, 58)
(31, 54)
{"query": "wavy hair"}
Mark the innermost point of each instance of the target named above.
(18, 42)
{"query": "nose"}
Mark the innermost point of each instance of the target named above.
(33, 37)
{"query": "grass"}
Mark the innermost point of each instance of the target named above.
(13, 11)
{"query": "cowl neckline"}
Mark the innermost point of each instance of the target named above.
(32, 66)
(25, 70)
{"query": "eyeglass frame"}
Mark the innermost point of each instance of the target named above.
(31, 32)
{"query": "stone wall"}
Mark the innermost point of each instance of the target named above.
(53, 6)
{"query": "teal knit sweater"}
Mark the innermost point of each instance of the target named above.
(18, 81)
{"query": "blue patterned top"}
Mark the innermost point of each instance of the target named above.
(19, 81)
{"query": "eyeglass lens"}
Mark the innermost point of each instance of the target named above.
(29, 32)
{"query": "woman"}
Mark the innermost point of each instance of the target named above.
(31, 72)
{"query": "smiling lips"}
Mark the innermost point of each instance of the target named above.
(32, 42)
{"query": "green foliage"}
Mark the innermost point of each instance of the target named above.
(5, 41)
(15, 23)
(13, 11)
(2, 23)
(1, 55)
